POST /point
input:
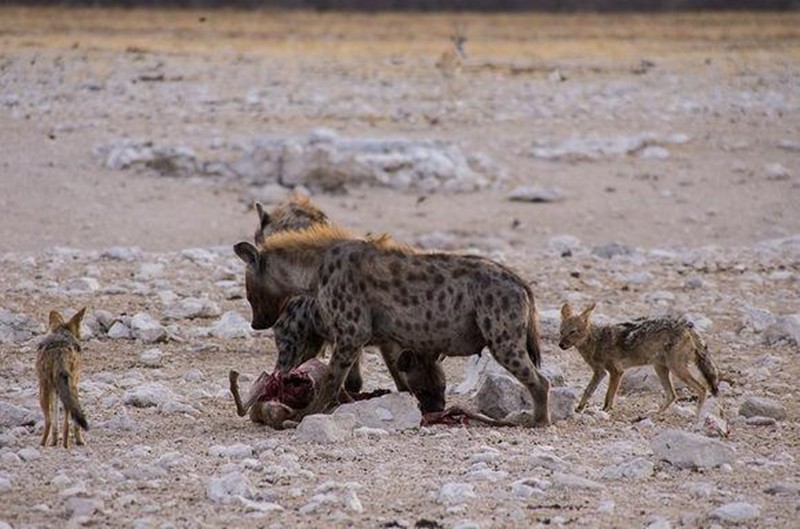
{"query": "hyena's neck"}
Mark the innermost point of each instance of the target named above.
(296, 274)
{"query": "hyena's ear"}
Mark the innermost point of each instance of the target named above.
(74, 323)
(566, 310)
(588, 310)
(406, 361)
(247, 253)
(55, 320)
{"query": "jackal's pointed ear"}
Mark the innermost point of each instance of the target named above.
(263, 216)
(74, 323)
(566, 310)
(247, 253)
(55, 320)
(588, 310)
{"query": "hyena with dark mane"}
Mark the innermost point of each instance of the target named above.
(300, 333)
(370, 293)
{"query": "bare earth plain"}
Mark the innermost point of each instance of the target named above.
(706, 224)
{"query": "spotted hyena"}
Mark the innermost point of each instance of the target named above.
(300, 333)
(428, 303)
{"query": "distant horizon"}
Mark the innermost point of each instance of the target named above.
(550, 6)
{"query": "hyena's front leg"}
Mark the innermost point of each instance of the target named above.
(597, 377)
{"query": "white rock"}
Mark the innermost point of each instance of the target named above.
(500, 395)
(636, 468)
(326, 429)
(29, 454)
(12, 415)
(191, 308)
(147, 329)
(82, 285)
(119, 331)
(762, 407)
(688, 450)
(236, 451)
(659, 523)
(456, 493)
(784, 329)
(756, 319)
(193, 375)
(736, 513)
(486, 474)
(149, 271)
(229, 487)
(5, 485)
(564, 243)
(562, 402)
(173, 406)
(776, 171)
(571, 481)
(122, 253)
(654, 153)
(536, 194)
(151, 357)
(392, 412)
(16, 328)
(259, 506)
(606, 507)
(230, 326)
(83, 507)
(147, 395)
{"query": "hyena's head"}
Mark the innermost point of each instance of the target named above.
(263, 292)
(296, 213)
(425, 379)
(574, 327)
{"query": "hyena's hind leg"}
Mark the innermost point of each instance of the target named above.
(519, 364)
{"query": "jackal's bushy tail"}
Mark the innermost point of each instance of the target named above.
(68, 398)
(705, 364)
(534, 339)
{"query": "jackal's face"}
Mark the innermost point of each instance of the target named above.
(574, 327)
(262, 293)
(425, 379)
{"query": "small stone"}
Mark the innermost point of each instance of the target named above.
(149, 271)
(562, 402)
(82, 285)
(609, 251)
(119, 331)
(500, 395)
(689, 450)
(536, 194)
(456, 493)
(229, 487)
(235, 451)
(762, 407)
(191, 308)
(147, 395)
(122, 253)
(783, 489)
(571, 481)
(29, 454)
(784, 329)
(776, 171)
(654, 152)
(231, 325)
(12, 415)
(326, 429)
(151, 357)
(760, 421)
(634, 469)
(83, 507)
(638, 278)
(736, 513)
(147, 329)
(5, 485)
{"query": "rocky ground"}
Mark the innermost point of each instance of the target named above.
(656, 164)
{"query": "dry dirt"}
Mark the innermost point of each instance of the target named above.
(72, 80)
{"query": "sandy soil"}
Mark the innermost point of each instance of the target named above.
(71, 81)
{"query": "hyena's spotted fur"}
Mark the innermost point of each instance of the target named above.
(668, 344)
(300, 333)
(427, 303)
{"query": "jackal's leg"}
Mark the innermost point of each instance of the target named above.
(65, 440)
(683, 373)
(597, 377)
(614, 378)
(44, 402)
(54, 420)
(669, 391)
(519, 364)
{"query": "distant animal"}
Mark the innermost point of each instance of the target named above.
(668, 344)
(301, 335)
(368, 292)
(452, 59)
(58, 365)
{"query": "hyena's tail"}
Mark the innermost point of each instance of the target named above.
(67, 396)
(534, 338)
(704, 363)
